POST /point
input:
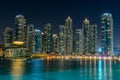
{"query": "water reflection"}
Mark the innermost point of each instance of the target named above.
(60, 70)
(37, 68)
(17, 69)
(110, 70)
(100, 73)
(94, 70)
(104, 70)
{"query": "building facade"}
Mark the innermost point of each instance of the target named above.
(20, 29)
(107, 34)
(38, 41)
(47, 46)
(8, 37)
(62, 40)
(55, 47)
(86, 45)
(78, 42)
(93, 38)
(69, 36)
(30, 41)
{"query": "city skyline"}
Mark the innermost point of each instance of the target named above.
(59, 39)
(55, 12)
(81, 42)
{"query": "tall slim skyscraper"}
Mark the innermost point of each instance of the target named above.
(69, 36)
(20, 29)
(8, 37)
(86, 45)
(93, 38)
(107, 33)
(30, 41)
(55, 43)
(38, 39)
(62, 39)
(47, 38)
(78, 42)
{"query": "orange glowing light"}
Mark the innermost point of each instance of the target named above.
(18, 42)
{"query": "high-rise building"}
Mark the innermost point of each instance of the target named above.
(93, 38)
(47, 38)
(69, 36)
(30, 41)
(78, 43)
(55, 43)
(107, 34)
(20, 29)
(86, 45)
(8, 37)
(38, 41)
(1, 50)
(42, 42)
(62, 40)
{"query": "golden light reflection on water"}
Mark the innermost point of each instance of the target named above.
(17, 69)
(90, 68)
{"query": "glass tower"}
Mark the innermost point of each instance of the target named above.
(47, 38)
(69, 36)
(78, 41)
(93, 38)
(55, 43)
(37, 40)
(8, 37)
(20, 29)
(30, 41)
(86, 45)
(107, 34)
(62, 40)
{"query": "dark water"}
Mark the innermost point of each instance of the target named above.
(60, 70)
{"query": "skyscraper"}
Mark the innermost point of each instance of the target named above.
(38, 41)
(47, 38)
(20, 29)
(93, 38)
(30, 41)
(78, 42)
(85, 27)
(69, 36)
(62, 39)
(107, 34)
(55, 43)
(8, 37)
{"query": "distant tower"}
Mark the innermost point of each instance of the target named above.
(93, 38)
(62, 39)
(55, 43)
(42, 42)
(8, 37)
(86, 36)
(47, 38)
(20, 29)
(38, 41)
(69, 36)
(78, 42)
(30, 41)
(107, 34)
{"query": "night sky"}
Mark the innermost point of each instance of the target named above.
(40, 12)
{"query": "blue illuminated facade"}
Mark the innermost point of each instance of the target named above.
(107, 34)
(37, 41)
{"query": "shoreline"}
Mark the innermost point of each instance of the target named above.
(66, 58)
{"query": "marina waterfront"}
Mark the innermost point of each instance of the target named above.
(54, 69)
